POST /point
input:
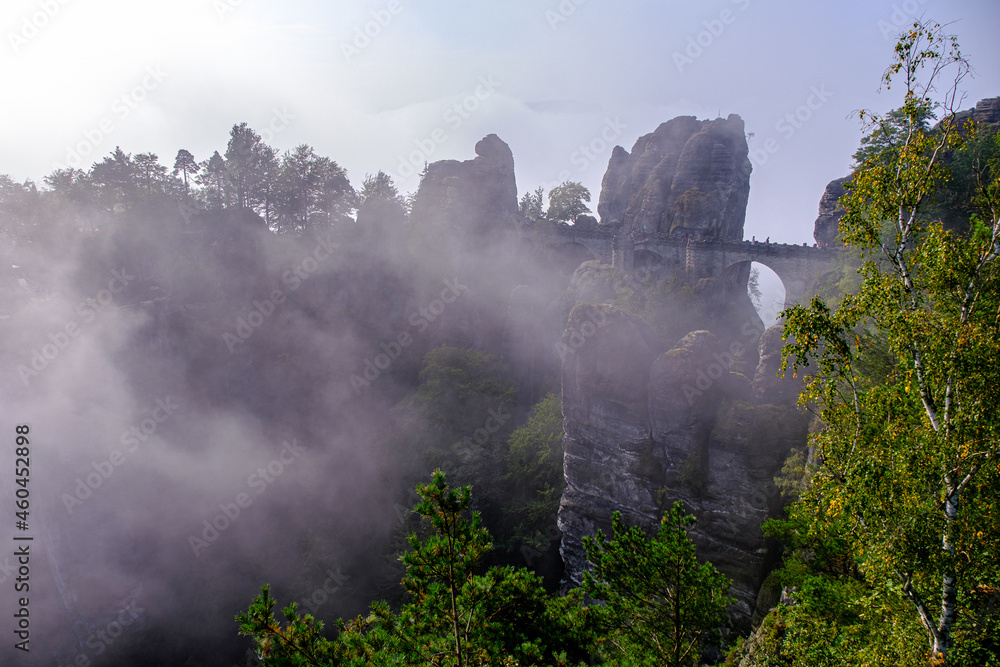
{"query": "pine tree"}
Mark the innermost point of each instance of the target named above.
(661, 604)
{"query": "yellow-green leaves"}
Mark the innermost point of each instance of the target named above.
(907, 452)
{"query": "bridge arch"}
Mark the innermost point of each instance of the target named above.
(766, 291)
(797, 266)
(647, 259)
(569, 256)
(797, 270)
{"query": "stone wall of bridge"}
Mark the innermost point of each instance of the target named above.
(798, 266)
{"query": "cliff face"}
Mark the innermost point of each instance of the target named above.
(643, 429)
(463, 223)
(477, 196)
(986, 113)
(830, 212)
(688, 176)
(664, 398)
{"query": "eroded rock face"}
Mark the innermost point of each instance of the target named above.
(643, 430)
(688, 176)
(605, 373)
(986, 111)
(830, 212)
(768, 386)
(477, 196)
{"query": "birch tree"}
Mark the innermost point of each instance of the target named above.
(910, 461)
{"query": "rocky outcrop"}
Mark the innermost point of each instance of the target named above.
(830, 212)
(464, 223)
(986, 111)
(478, 196)
(605, 376)
(769, 386)
(644, 429)
(688, 176)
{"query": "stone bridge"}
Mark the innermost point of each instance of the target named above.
(798, 266)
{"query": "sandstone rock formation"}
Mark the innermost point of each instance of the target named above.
(643, 429)
(985, 111)
(477, 196)
(688, 176)
(768, 386)
(605, 425)
(830, 212)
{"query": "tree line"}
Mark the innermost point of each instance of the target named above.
(294, 192)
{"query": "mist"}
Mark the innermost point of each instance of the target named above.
(209, 399)
(228, 368)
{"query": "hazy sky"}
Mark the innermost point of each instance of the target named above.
(387, 84)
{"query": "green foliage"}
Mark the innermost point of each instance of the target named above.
(534, 474)
(309, 192)
(453, 616)
(380, 187)
(116, 176)
(185, 164)
(567, 202)
(794, 476)
(249, 163)
(660, 603)
(837, 616)
(216, 191)
(890, 132)
(909, 476)
(462, 420)
(531, 205)
(464, 405)
(440, 569)
(974, 166)
(694, 473)
(298, 643)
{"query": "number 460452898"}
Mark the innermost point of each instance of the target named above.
(21, 472)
